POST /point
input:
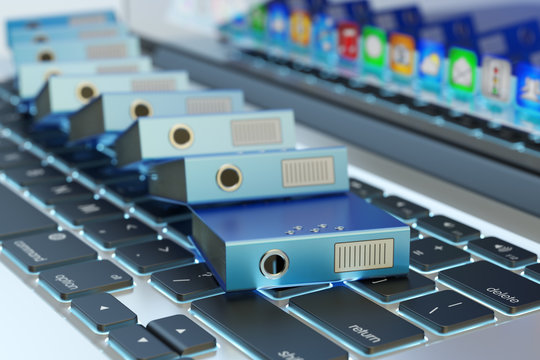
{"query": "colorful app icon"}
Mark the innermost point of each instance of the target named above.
(348, 34)
(430, 61)
(462, 70)
(257, 17)
(300, 28)
(374, 46)
(324, 27)
(402, 49)
(496, 77)
(278, 23)
(528, 87)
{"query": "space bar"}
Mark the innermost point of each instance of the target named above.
(264, 329)
(19, 217)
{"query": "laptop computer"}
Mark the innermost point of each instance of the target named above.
(50, 328)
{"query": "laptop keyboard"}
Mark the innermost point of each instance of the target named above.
(64, 209)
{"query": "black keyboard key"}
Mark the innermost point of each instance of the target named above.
(84, 158)
(109, 174)
(449, 229)
(446, 311)
(154, 255)
(7, 145)
(187, 282)
(415, 234)
(501, 288)
(363, 88)
(51, 140)
(400, 207)
(103, 311)
(140, 343)
(364, 190)
(31, 175)
(266, 330)
(368, 326)
(182, 335)
(398, 99)
(119, 232)
(325, 75)
(130, 191)
(161, 211)
(390, 289)
(88, 211)
(430, 109)
(20, 218)
(290, 291)
(85, 278)
(467, 121)
(182, 227)
(506, 133)
(15, 158)
(430, 254)
(533, 144)
(51, 194)
(46, 250)
(533, 271)
(502, 252)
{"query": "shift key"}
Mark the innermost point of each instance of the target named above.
(267, 331)
(503, 289)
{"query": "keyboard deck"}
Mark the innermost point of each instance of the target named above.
(84, 235)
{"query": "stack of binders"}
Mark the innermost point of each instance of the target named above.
(264, 214)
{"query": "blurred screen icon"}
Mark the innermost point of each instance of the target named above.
(257, 18)
(462, 70)
(300, 28)
(528, 87)
(324, 27)
(348, 34)
(374, 46)
(402, 49)
(496, 78)
(431, 56)
(278, 22)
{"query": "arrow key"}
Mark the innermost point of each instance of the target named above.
(103, 311)
(182, 335)
(139, 343)
(154, 255)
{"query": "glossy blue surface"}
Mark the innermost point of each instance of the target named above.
(63, 96)
(262, 173)
(55, 33)
(248, 231)
(32, 76)
(77, 50)
(117, 116)
(71, 20)
(211, 134)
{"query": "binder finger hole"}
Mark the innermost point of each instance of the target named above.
(140, 108)
(45, 55)
(229, 178)
(274, 264)
(181, 136)
(86, 91)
